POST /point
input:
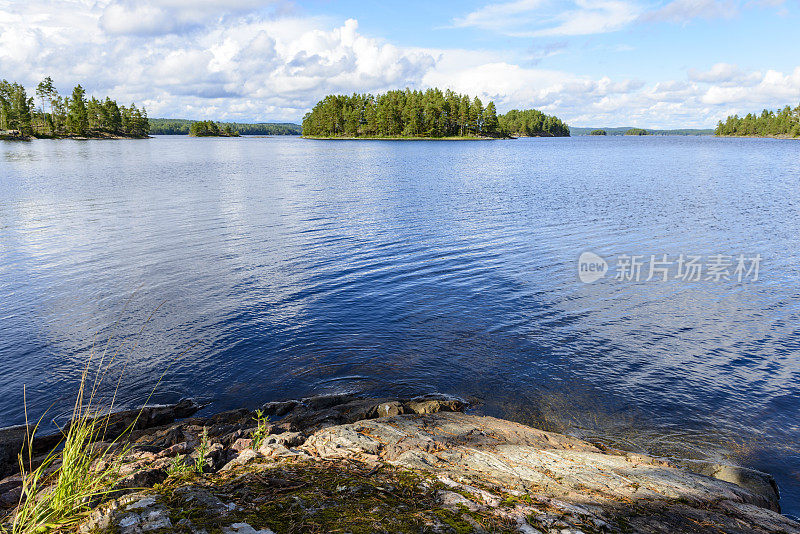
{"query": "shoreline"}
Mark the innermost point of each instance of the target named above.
(399, 465)
(398, 138)
(784, 137)
(452, 138)
(16, 135)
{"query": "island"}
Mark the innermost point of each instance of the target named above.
(211, 129)
(598, 132)
(432, 114)
(637, 131)
(783, 124)
(622, 130)
(532, 123)
(182, 127)
(71, 117)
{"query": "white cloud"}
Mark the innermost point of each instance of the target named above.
(232, 63)
(499, 16)
(698, 101)
(539, 18)
(592, 17)
(772, 90)
(239, 60)
(547, 18)
(725, 74)
(150, 17)
(682, 11)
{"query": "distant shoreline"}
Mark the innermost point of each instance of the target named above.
(785, 137)
(398, 138)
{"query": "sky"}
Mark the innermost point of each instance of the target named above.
(656, 64)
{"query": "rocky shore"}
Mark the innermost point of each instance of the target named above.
(13, 135)
(16, 135)
(349, 464)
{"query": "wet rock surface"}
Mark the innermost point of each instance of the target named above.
(349, 464)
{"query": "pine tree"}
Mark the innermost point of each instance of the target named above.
(23, 108)
(114, 124)
(491, 125)
(77, 117)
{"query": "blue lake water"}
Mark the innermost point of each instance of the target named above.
(284, 267)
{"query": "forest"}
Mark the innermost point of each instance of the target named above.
(51, 115)
(784, 123)
(182, 127)
(429, 114)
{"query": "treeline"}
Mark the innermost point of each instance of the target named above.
(211, 129)
(785, 122)
(51, 115)
(183, 126)
(432, 113)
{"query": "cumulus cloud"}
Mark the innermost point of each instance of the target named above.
(725, 74)
(207, 58)
(699, 101)
(244, 60)
(148, 17)
(772, 87)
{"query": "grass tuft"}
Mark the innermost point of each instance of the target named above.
(202, 452)
(61, 490)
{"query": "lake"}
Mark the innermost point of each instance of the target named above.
(256, 269)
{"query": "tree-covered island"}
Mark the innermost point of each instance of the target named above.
(784, 123)
(433, 114)
(50, 115)
(183, 127)
(211, 129)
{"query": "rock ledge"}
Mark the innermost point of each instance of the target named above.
(349, 464)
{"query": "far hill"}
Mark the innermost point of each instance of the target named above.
(182, 127)
(623, 130)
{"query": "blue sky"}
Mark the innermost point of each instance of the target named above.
(668, 63)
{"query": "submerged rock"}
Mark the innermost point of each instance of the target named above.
(759, 483)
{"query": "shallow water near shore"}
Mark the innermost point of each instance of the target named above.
(294, 267)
